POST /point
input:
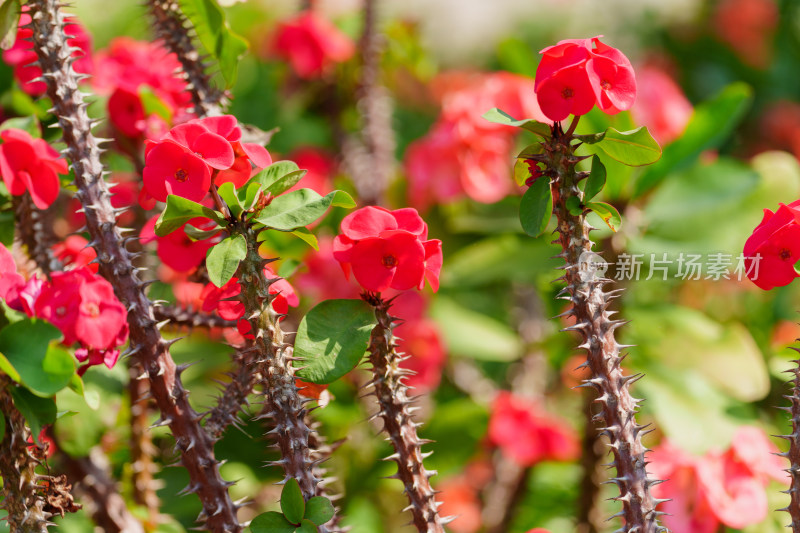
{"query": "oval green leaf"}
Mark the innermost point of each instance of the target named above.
(319, 510)
(227, 192)
(596, 180)
(179, 211)
(307, 526)
(633, 148)
(292, 503)
(331, 339)
(41, 366)
(38, 411)
(223, 259)
(9, 19)
(536, 207)
(271, 522)
(300, 208)
(499, 116)
(274, 173)
(608, 213)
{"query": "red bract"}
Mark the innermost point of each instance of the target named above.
(421, 341)
(216, 298)
(527, 435)
(11, 282)
(719, 487)
(176, 249)
(30, 164)
(169, 169)
(322, 279)
(21, 55)
(311, 45)
(75, 252)
(774, 247)
(661, 105)
(83, 306)
(387, 249)
(576, 74)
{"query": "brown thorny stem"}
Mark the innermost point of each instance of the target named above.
(794, 447)
(172, 26)
(34, 229)
(593, 321)
(146, 342)
(395, 409)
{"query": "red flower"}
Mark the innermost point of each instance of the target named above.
(320, 166)
(176, 249)
(216, 298)
(11, 282)
(311, 45)
(83, 306)
(75, 252)
(774, 247)
(21, 55)
(212, 148)
(323, 278)
(30, 164)
(661, 105)
(169, 169)
(387, 249)
(421, 341)
(576, 74)
(527, 435)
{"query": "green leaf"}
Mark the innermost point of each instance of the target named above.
(531, 150)
(536, 207)
(200, 234)
(248, 195)
(37, 411)
(475, 335)
(574, 206)
(44, 368)
(596, 180)
(292, 503)
(216, 36)
(306, 526)
(286, 182)
(305, 234)
(498, 116)
(9, 19)
(275, 172)
(299, 208)
(271, 522)
(521, 172)
(710, 126)
(228, 193)
(153, 105)
(332, 339)
(608, 213)
(223, 259)
(319, 510)
(179, 211)
(634, 148)
(91, 397)
(28, 124)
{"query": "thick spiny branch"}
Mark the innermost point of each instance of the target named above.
(794, 449)
(146, 342)
(34, 229)
(185, 318)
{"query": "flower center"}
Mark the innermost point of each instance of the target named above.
(389, 261)
(61, 311)
(567, 92)
(181, 175)
(785, 254)
(92, 309)
(605, 84)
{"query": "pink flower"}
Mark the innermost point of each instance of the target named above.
(311, 45)
(576, 74)
(21, 55)
(527, 435)
(30, 164)
(661, 105)
(774, 247)
(11, 282)
(388, 249)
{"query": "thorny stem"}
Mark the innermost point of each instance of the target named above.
(395, 410)
(185, 318)
(592, 319)
(589, 520)
(35, 231)
(197, 454)
(172, 26)
(234, 395)
(794, 448)
(283, 403)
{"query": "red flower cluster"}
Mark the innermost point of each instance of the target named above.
(388, 249)
(774, 247)
(661, 105)
(78, 302)
(311, 45)
(183, 161)
(463, 153)
(576, 74)
(527, 435)
(719, 487)
(126, 66)
(30, 164)
(24, 60)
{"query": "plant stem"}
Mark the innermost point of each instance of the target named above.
(395, 410)
(590, 305)
(34, 229)
(794, 449)
(146, 342)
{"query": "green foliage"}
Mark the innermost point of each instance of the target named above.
(608, 213)
(710, 126)
(536, 207)
(222, 259)
(179, 211)
(300, 208)
(297, 515)
(216, 36)
(28, 124)
(332, 338)
(279, 177)
(9, 19)
(499, 116)
(28, 356)
(319, 510)
(633, 148)
(596, 180)
(38, 411)
(292, 503)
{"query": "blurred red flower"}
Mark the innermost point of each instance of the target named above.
(30, 164)
(660, 105)
(311, 45)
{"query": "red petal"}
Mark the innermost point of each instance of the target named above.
(214, 150)
(433, 262)
(368, 267)
(410, 255)
(257, 154)
(367, 222)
